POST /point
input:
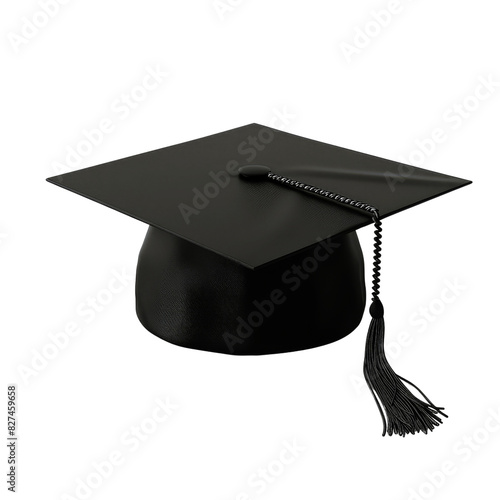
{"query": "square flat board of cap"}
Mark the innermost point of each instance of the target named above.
(192, 190)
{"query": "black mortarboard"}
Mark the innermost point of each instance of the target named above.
(252, 247)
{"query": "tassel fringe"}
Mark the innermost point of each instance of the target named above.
(401, 411)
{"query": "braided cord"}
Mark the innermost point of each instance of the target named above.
(280, 179)
(377, 254)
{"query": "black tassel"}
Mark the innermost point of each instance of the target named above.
(401, 411)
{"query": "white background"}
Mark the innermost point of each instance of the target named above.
(250, 62)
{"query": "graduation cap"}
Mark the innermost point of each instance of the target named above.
(252, 249)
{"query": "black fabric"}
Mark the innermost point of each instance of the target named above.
(192, 297)
(218, 245)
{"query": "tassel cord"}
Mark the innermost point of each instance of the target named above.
(401, 411)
